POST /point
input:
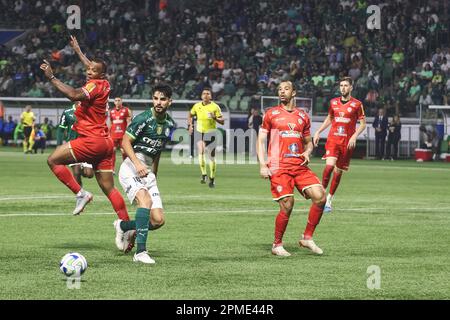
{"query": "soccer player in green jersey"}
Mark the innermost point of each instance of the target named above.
(66, 132)
(143, 142)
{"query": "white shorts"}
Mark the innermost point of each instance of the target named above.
(132, 183)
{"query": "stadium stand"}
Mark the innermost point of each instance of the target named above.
(241, 48)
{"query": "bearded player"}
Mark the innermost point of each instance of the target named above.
(343, 114)
(289, 149)
(93, 144)
(120, 117)
(143, 142)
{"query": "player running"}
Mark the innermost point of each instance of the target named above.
(143, 142)
(120, 117)
(65, 130)
(343, 114)
(208, 113)
(290, 147)
(93, 144)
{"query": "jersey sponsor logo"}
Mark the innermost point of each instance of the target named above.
(290, 134)
(334, 103)
(291, 126)
(301, 114)
(340, 131)
(294, 149)
(117, 121)
(275, 112)
(342, 118)
(353, 104)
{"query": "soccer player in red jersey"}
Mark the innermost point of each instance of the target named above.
(343, 114)
(120, 117)
(289, 149)
(93, 144)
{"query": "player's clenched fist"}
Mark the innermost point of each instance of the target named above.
(47, 69)
(264, 171)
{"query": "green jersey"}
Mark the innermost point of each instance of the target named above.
(149, 133)
(68, 119)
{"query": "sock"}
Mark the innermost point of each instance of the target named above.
(30, 145)
(202, 162)
(326, 175)
(118, 204)
(131, 225)
(142, 221)
(329, 198)
(25, 147)
(65, 176)
(335, 182)
(281, 223)
(212, 168)
(315, 213)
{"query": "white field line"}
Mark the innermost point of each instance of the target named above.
(257, 211)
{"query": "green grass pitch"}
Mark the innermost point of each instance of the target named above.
(216, 243)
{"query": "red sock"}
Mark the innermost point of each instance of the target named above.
(315, 213)
(118, 204)
(335, 182)
(281, 223)
(326, 175)
(65, 176)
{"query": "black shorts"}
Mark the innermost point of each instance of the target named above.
(27, 131)
(207, 138)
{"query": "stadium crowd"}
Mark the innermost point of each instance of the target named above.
(240, 48)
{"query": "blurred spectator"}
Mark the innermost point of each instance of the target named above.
(8, 130)
(39, 139)
(394, 136)
(381, 125)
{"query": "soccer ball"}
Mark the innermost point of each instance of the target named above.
(72, 264)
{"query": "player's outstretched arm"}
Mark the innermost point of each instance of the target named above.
(71, 93)
(326, 123)
(141, 168)
(76, 47)
(261, 152)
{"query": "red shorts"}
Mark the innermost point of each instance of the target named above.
(340, 152)
(117, 142)
(93, 150)
(282, 182)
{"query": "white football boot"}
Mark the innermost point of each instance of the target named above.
(119, 235)
(280, 251)
(143, 257)
(309, 244)
(83, 198)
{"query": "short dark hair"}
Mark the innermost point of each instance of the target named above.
(291, 82)
(164, 88)
(348, 79)
(207, 89)
(102, 62)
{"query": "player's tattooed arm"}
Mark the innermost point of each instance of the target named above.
(71, 93)
(309, 147)
(76, 47)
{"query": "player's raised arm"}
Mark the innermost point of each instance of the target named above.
(76, 47)
(71, 93)
(141, 168)
(326, 123)
(261, 152)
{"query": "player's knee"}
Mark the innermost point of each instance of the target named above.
(158, 222)
(287, 204)
(320, 199)
(143, 199)
(50, 161)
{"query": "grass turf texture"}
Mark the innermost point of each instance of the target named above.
(216, 242)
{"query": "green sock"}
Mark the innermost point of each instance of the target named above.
(202, 162)
(142, 221)
(128, 225)
(212, 168)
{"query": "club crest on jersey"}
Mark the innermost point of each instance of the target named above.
(159, 130)
(349, 109)
(291, 126)
(279, 188)
(300, 121)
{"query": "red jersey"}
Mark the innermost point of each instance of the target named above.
(118, 119)
(91, 113)
(343, 119)
(287, 131)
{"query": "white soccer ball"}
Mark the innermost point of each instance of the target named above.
(73, 264)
